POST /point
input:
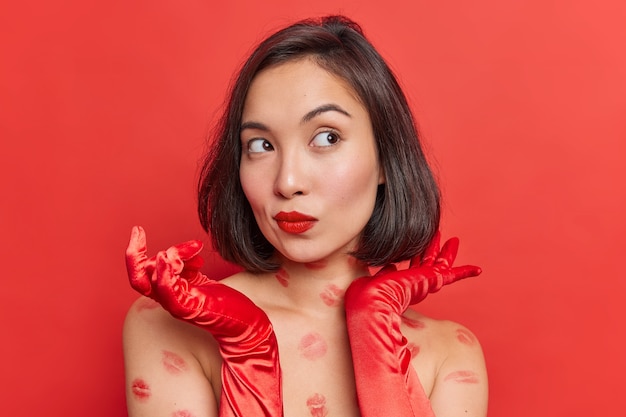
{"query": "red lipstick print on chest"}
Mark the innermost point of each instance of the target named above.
(332, 295)
(317, 405)
(182, 413)
(312, 346)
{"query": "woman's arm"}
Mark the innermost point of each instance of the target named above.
(461, 386)
(169, 365)
(250, 374)
(386, 382)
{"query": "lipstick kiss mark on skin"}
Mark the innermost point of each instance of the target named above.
(413, 348)
(332, 295)
(312, 346)
(317, 405)
(316, 265)
(173, 363)
(140, 389)
(283, 277)
(352, 261)
(465, 337)
(182, 413)
(146, 304)
(413, 323)
(464, 377)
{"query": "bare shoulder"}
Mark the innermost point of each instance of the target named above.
(170, 365)
(448, 337)
(149, 325)
(450, 362)
(253, 286)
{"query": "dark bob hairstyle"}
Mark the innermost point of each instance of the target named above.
(407, 210)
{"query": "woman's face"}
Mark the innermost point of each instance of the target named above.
(309, 164)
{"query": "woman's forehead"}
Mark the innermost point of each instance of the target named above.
(298, 86)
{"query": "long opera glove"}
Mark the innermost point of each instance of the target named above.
(387, 384)
(251, 376)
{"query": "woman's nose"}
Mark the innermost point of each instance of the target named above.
(292, 178)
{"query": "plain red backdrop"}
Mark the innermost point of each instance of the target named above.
(104, 110)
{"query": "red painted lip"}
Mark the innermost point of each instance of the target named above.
(294, 222)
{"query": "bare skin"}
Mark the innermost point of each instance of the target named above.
(308, 148)
(447, 367)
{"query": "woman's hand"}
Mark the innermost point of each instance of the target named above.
(386, 383)
(251, 377)
(402, 288)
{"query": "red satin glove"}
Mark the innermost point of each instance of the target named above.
(251, 378)
(386, 383)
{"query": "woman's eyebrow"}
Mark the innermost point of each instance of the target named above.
(322, 109)
(306, 118)
(254, 125)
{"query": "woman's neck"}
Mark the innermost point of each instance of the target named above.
(317, 286)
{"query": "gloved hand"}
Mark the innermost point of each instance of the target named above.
(251, 376)
(386, 383)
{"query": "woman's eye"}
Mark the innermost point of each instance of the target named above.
(259, 145)
(325, 139)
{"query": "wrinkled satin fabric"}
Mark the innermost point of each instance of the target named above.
(251, 375)
(387, 385)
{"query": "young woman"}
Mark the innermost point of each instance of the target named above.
(316, 178)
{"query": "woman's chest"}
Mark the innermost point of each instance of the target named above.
(316, 364)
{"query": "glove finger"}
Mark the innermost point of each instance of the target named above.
(462, 272)
(137, 260)
(169, 285)
(431, 252)
(189, 249)
(172, 258)
(448, 252)
(186, 258)
(192, 267)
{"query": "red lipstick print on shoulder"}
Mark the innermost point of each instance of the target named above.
(283, 277)
(464, 377)
(140, 389)
(294, 222)
(465, 337)
(317, 405)
(173, 363)
(413, 323)
(332, 295)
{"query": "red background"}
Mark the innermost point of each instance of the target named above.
(104, 107)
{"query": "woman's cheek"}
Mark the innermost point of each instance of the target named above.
(359, 184)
